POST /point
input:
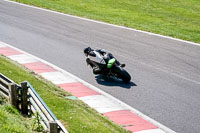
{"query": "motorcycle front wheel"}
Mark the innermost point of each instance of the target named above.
(121, 73)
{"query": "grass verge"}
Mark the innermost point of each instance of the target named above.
(175, 18)
(76, 116)
(11, 121)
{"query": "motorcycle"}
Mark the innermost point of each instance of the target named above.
(109, 66)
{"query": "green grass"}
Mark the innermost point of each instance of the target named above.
(74, 114)
(176, 18)
(11, 121)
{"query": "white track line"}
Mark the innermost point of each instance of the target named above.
(95, 21)
(2, 45)
(151, 131)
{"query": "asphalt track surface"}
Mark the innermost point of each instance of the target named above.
(165, 72)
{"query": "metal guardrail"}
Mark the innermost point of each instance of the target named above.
(37, 104)
(4, 85)
(25, 99)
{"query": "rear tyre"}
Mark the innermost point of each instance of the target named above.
(121, 73)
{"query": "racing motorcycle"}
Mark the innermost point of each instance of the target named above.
(109, 66)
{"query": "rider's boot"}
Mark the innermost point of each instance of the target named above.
(122, 65)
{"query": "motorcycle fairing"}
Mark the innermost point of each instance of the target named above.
(110, 63)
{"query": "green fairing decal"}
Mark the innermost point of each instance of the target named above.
(110, 63)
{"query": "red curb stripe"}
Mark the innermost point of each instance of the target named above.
(78, 89)
(129, 120)
(7, 51)
(39, 67)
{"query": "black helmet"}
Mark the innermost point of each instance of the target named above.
(87, 51)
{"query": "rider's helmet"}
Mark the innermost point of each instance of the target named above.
(87, 51)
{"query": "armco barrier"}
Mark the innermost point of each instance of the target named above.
(4, 83)
(26, 100)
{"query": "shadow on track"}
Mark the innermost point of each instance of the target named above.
(112, 81)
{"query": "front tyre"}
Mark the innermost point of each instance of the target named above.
(121, 73)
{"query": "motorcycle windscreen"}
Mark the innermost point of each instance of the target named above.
(110, 63)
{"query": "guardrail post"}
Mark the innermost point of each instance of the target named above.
(13, 94)
(24, 98)
(53, 127)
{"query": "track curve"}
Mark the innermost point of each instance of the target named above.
(165, 72)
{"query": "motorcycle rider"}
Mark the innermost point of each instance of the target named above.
(97, 66)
